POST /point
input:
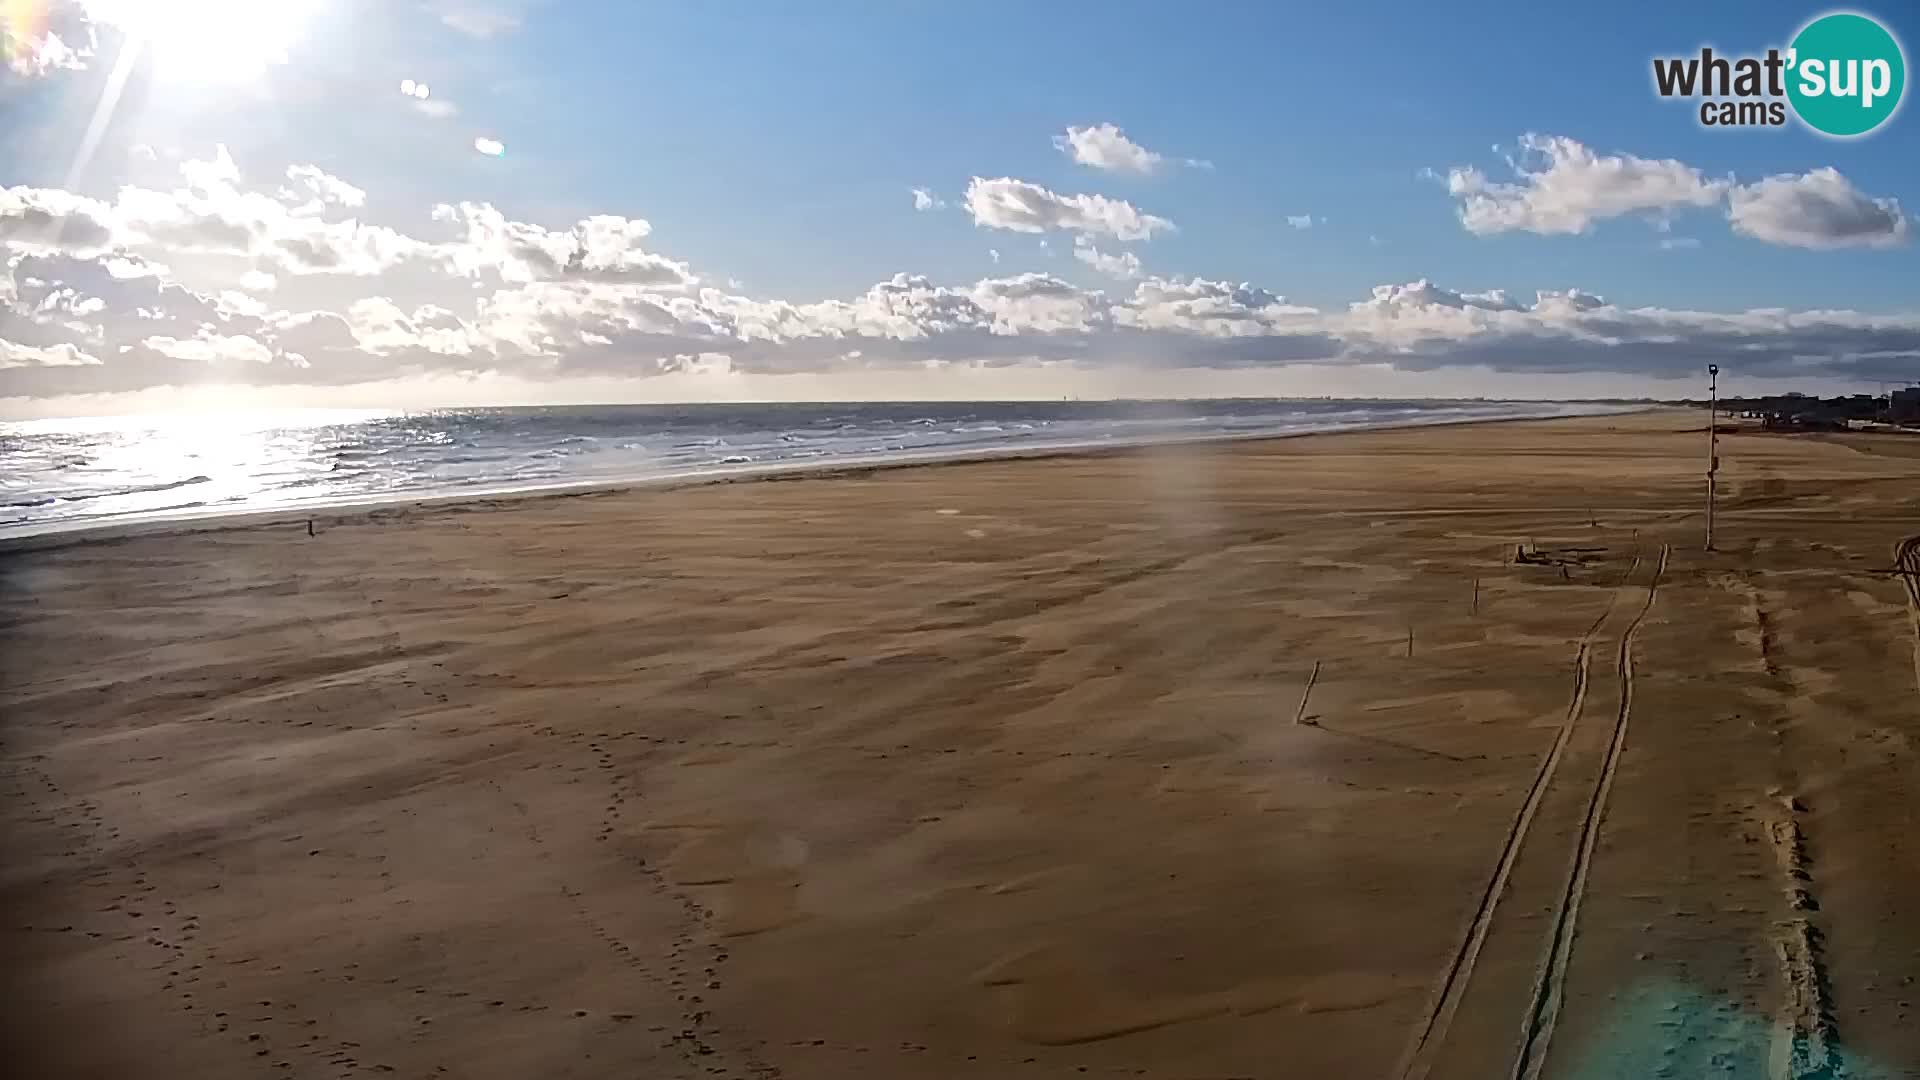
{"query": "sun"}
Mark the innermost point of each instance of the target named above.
(208, 40)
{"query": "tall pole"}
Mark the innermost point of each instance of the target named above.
(1713, 436)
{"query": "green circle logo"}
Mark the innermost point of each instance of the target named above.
(1845, 74)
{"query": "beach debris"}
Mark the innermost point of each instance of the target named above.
(1532, 554)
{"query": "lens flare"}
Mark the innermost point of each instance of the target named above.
(26, 40)
(207, 40)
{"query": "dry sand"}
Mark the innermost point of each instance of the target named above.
(993, 770)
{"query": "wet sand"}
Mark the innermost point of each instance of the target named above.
(1236, 760)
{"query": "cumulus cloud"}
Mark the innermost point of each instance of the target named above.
(927, 200)
(1124, 265)
(1221, 309)
(603, 248)
(40, 219)
(1105, 146)
(85, 307)
(1819, 209)
(212, 349)
(1019, 206)
(381, 327)
(63, 354)
(1300, 221)
(1562, 186)
(210, 215)
(328, 190)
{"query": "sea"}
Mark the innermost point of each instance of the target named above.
(65, 474)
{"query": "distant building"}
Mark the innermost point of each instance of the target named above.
(1905, 404)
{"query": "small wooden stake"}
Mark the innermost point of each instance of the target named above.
(1300, 714)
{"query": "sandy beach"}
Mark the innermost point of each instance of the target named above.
(1252, 759)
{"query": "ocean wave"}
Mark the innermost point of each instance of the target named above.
(113, 493)
(466, 450)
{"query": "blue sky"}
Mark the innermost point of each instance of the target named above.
(1308, 108)
(771, 151)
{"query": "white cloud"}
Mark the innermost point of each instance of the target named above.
(329, 190)
(211, 348)
(1819, 209)
(489, 147)
(125, 267)
(1222, 310)
(61, 354)
(1036, 304)
(381, 327)
(994, 254)
(1678, 243)
(214, 215)
(1300, 221)
(480, 20)
(55, 220)
(1124, 265)
(927, 200)
(603, 248)
(1020, 206)
(305, 295)
(1105, 146)
(1564, 187)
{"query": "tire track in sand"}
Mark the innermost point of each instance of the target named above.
(1551, 989)
(1906, 563)
(1420, 1055)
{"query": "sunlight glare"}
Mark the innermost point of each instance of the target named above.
(210, 40)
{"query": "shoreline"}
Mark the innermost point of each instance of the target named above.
(62, 535)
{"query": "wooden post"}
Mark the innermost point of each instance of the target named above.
(1713, 434)
(1300, 714)
(1409, 641)
(1476, 596)
(309, 526)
